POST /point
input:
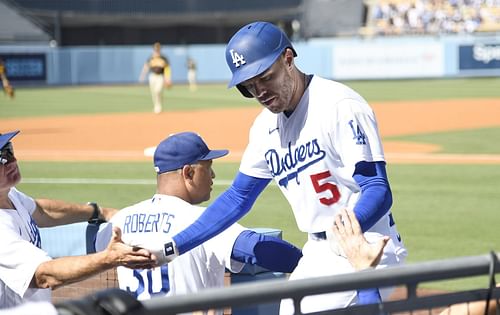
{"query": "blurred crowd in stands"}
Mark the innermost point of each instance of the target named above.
(396, 17)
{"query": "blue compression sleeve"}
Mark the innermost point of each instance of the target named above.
(266, 251)
(230, 206)
(369, 296)
(376, 196)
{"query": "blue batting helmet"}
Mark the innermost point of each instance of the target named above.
(252, 50)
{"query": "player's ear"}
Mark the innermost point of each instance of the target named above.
(187, 172)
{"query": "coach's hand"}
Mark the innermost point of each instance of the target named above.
(121, 254)
(358, 251)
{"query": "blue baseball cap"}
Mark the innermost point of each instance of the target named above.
(181, 149)
(5, 138)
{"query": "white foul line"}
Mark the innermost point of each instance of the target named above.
(103, 181)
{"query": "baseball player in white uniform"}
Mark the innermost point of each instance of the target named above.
(183, 163)
(318, 140)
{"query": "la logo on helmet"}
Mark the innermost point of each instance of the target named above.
(238, 60)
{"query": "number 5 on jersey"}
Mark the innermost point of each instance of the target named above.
(325, 187)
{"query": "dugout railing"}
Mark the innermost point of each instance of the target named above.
(410, 276)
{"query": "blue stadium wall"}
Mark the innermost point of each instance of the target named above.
(339, 58)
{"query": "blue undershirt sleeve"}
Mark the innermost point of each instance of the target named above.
(266, 251)
(228, 208)
(376, 195)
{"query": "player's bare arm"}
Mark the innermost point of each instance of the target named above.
(65, 270)
(144, 72)
(51, 212)
(359, 252)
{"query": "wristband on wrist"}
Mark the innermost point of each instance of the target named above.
(169, 252)
(165, 252)
(94, 219)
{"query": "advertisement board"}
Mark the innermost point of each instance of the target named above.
(25, 66)
(386, 60)
(479, 56)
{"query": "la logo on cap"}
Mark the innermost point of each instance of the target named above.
(238, 59)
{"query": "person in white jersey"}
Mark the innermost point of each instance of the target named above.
(183, 163)
(27, 272)
(319, 141)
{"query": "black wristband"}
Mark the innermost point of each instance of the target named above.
(95, 215)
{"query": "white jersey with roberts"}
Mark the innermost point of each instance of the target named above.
(156, 220)
(20, 252)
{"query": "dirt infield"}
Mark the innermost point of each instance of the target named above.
(122, 137)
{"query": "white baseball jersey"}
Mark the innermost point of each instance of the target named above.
(20, 252)
(158, 219)
(312, 156)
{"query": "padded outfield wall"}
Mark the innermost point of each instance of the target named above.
(338, 58)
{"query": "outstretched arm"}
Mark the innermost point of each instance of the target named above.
(228, 208)
(65, 270)
(51, 212)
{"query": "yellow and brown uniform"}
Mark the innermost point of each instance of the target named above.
(159, 65)
(8, 89)
(159, 77)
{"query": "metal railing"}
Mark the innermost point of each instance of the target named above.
(409, 276)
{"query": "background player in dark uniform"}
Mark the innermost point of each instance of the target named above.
(159, 77)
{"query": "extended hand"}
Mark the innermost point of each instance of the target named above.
(122, 254)
(358, 251)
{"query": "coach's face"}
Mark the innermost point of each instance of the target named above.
(202, 181)
(275, 87)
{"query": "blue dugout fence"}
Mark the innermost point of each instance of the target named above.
(337, 58)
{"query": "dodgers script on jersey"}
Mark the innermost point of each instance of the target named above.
(312, 154)
(21, 253)
(154, 221)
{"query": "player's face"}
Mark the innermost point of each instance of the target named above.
(9, 171)
(202, 181)
(274, 87)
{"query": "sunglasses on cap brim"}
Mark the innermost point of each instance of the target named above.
(7, 153)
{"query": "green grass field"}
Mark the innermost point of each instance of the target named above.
(442, 211)
(135, 98)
